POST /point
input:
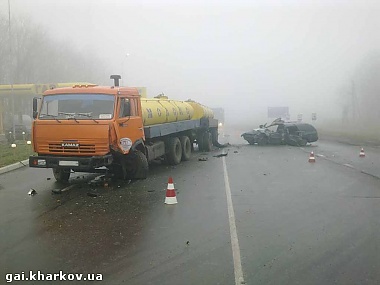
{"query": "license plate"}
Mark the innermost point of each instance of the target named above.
(68, 163)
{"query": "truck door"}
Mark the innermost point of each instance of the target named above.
(129, 125)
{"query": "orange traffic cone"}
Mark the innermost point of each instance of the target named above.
(170, 193)
(362, 154)
(312, 157)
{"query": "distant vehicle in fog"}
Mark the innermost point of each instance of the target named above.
(219, 115)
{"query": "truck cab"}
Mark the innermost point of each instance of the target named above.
(85, 127)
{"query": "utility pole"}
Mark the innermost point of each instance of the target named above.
(11, 70)
(354, 101)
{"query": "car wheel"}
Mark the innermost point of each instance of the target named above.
(262, 140)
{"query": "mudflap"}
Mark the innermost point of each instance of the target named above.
(214, 138)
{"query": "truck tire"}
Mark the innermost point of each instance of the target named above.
(142, 166)
(186, 148)
(207, 142)
(61, 174)
(174, 151)
(132, 166)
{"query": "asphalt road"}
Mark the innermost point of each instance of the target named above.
(296, 222)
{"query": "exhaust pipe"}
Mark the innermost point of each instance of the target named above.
(116, 79)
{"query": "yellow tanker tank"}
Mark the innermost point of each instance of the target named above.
(161, 110)
(200, 111)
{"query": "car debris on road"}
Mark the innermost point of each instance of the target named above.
(32, 192)
(221, 154)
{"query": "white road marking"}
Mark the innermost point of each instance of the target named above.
(68, 188)
(239, 278)
(348, 165)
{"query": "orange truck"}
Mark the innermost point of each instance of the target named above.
(90, 128)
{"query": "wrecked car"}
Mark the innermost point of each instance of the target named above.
(281, 133)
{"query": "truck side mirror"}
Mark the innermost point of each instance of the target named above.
(35, 113)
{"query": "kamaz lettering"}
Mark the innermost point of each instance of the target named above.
(70, 144)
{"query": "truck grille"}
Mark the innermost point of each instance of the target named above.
(82, 148)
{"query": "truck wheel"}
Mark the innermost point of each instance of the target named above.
(131, 166)
(207, 142)
(142, 165)
(186, 148)
(61, 174)
(174, 151)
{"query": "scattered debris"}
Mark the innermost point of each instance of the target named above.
(203, 159)
(188, 242)
(92, 194)
(56, 191)
(218, 145)
(151, 190)
(221, 154)
(32, 192)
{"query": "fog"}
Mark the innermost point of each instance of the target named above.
(243, 56)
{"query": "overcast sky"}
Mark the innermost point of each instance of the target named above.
(240, 55)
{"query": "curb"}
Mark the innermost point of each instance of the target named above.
(14, 166)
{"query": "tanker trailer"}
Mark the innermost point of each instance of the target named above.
(90, 128)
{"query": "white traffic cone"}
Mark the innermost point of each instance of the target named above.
(170, 193)
(312, 157)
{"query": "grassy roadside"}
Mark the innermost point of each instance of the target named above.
(355, 133)
(9, 155)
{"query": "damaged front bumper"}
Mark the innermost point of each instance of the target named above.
(75, 163)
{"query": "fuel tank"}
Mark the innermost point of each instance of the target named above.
(200, 111)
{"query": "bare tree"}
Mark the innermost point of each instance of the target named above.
(36, 58)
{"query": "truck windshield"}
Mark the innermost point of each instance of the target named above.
(77, 106)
